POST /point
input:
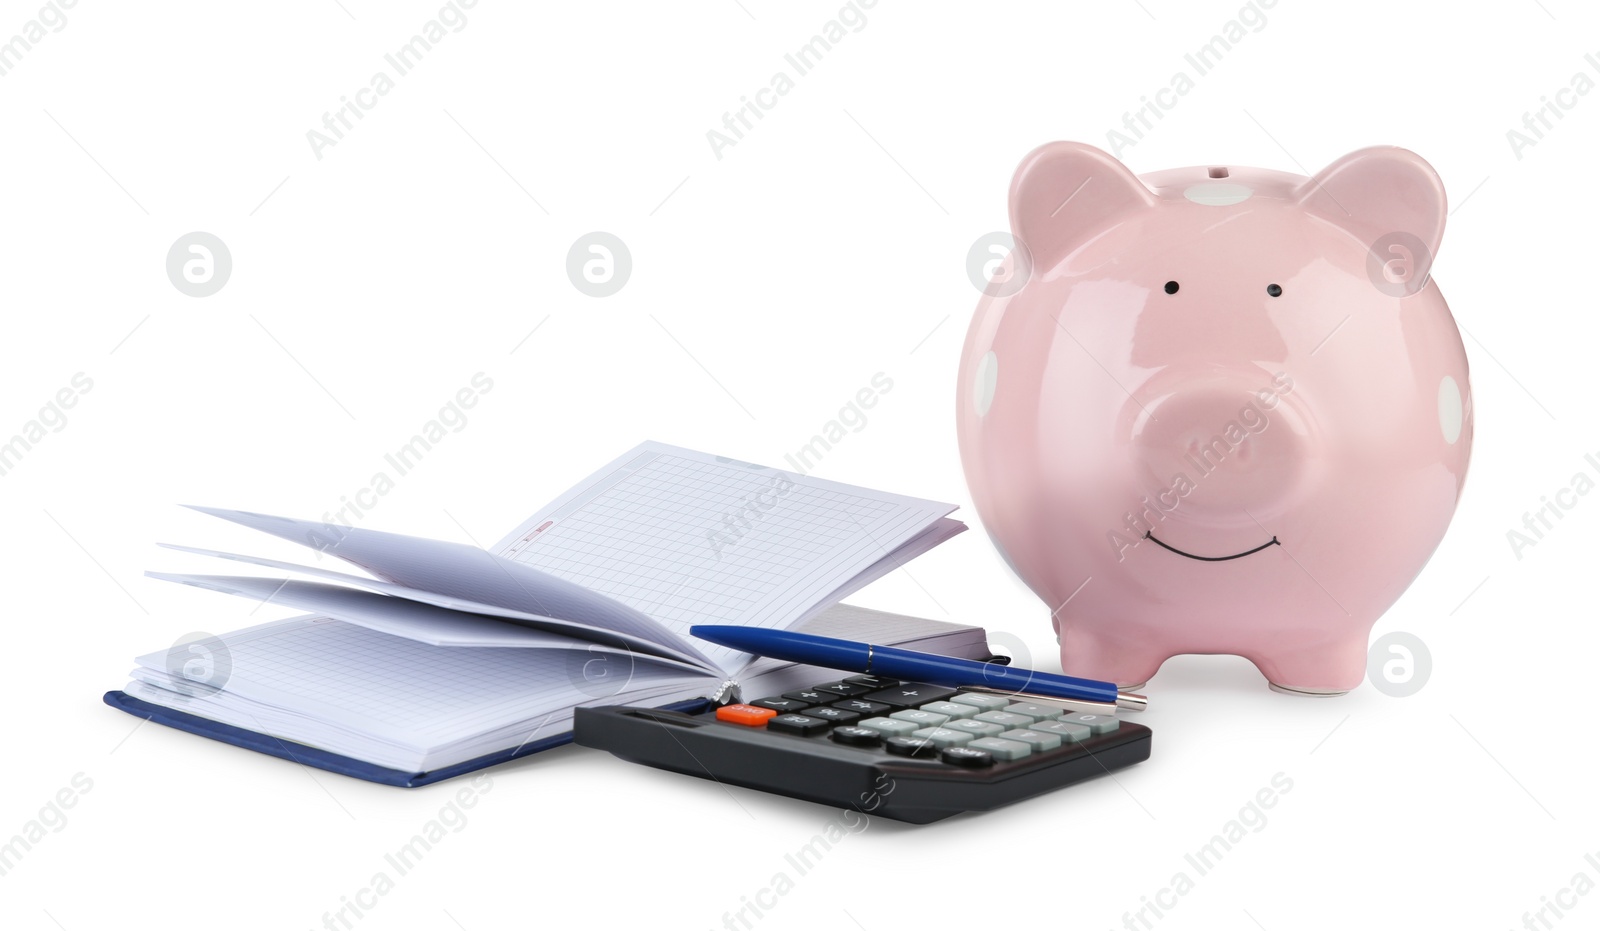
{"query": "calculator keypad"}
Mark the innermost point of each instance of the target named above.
(982, 702)
(967, 756)
(1035, 710)
(798, 724)
(888, 727)
(852, 736)
(1096, 723)
(831, 713)
(951, 709)
(975, 727)
(844, 689)
(919, 717)
(1002, 749)
(910, 746)
(1038, 740)
(1006, 719)
(1067, 731)
(780, 704)
(970, 730)
(942, 736)
(911, 695)
(863, 707)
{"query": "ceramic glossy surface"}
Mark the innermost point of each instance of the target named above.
(1217, 409)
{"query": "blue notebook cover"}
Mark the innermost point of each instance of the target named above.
(334, 762)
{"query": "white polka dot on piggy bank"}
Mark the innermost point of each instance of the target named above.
(1234, 413)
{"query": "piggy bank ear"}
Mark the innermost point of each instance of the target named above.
(1066, 193)
(1390, 198)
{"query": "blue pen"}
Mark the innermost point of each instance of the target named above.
(932, 668)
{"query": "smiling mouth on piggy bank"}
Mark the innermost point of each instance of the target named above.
(1152, 537)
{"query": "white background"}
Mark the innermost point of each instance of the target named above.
(768, 286)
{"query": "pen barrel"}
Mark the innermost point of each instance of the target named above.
(830, 652)
(895, 663)
(950, 670)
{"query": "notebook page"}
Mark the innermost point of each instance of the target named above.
(690, 538)
(942, 530)
(552, 625)
(395, 616)
(460, 571)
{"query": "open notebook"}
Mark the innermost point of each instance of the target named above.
(444, 657)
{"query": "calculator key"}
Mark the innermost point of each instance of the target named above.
(862, 706)
(966, 756)
(852, 736)
(748, 715)
(1002, 749)
(873, 682)
(843, 689)
(1005, 719)
(911, 694)
(920, 718)
(830, 713)
(913, 746)
(982, 702)
(950, 709)
(1067, 731)
(943, 736)
(779, 704)
(1038, 740)
(798, 724)
(1097, 723)
(888, 727)
(974, 727)
(810, 696)
(1035, 710)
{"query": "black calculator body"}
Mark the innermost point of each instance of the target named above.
(908, 751)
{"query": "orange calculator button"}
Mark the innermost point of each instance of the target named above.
(748, 715)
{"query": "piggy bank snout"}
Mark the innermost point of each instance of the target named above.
(1235, 452)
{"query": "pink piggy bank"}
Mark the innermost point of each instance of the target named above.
(1217, 409)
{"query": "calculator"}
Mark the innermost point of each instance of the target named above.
(904, 750)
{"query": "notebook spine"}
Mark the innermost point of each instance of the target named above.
(725, 694)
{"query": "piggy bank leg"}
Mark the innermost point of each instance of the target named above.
(1330, 668)
(1088, 654)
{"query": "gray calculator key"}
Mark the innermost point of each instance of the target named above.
(981, 702)
(1038, 740)
(974, 727)
(951, 709)
(1005, 719)
(888, 727)
(1067, 731)
(920, 718)
(1097, 723)
(944, 737)
(1000, 748)
(1035, 710)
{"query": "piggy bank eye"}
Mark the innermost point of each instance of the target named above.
(1172, 287)
(1273, 290)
